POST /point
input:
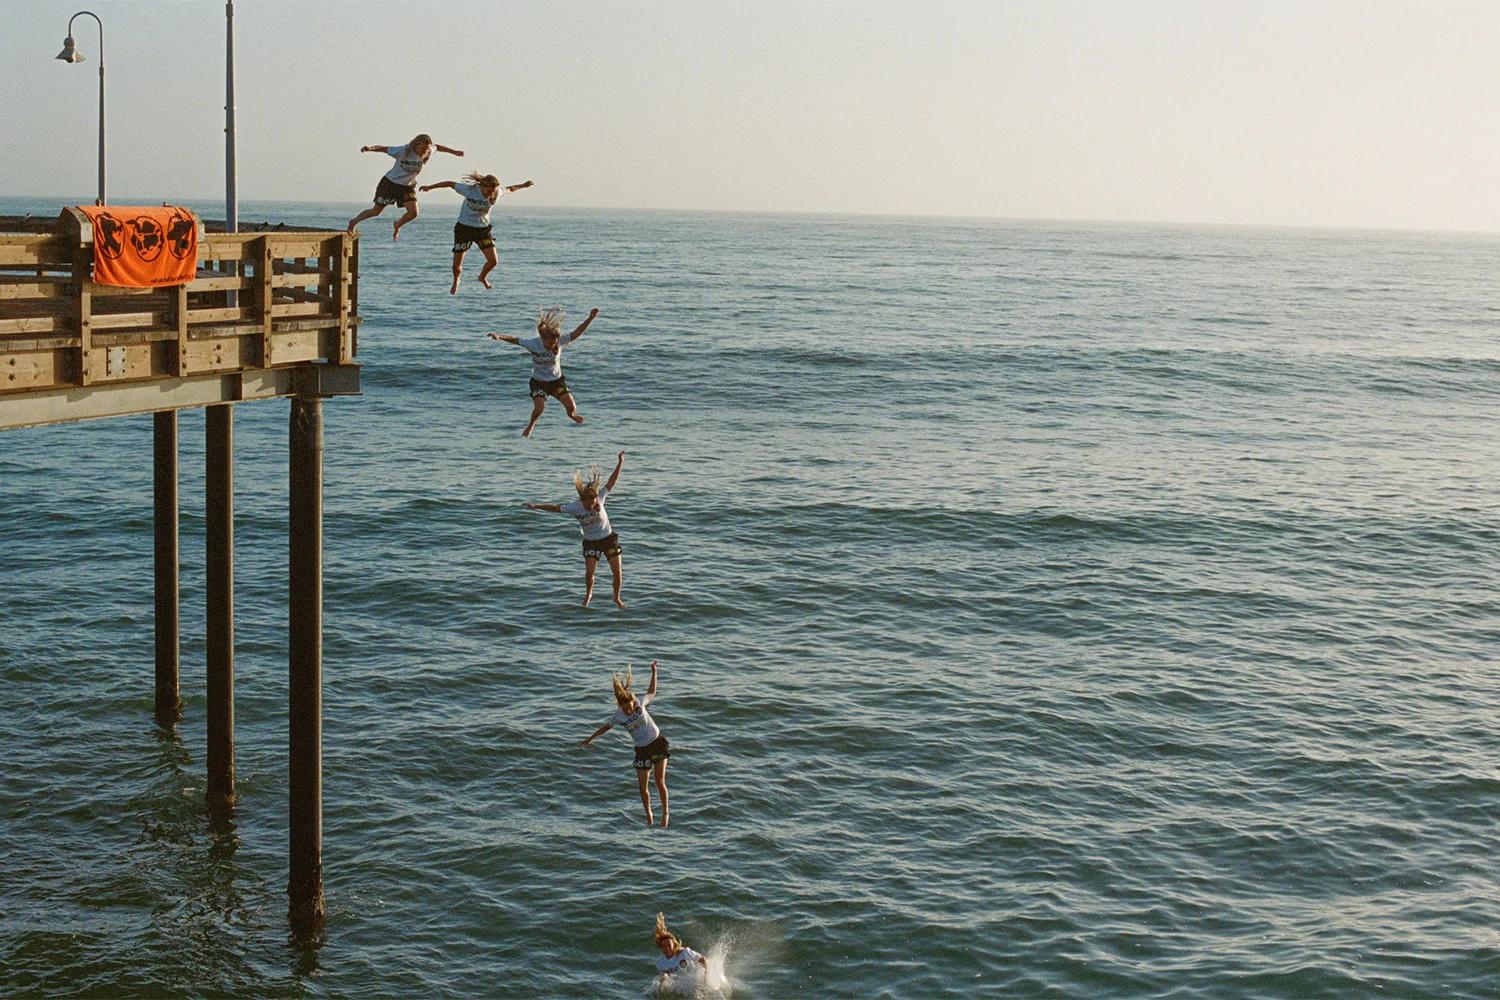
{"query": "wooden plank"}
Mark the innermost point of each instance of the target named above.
(221, 354)
(114, 321)
(301, 279)
(180, 315)
(33, 369)
(300, 309)
(34, 324)
(287, 246)
(224, 246)
(35, 286)
(292, 348)
(219, 315)
(267, 303)
(116, 291)
(220, 284)
(115, 364)
(353, 295)
(34, 250)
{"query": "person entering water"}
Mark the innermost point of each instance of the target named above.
(599, 537)
(547, 378)
(651, 749)
(675, 955)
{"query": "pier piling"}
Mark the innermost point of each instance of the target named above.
(218, 482)
(305, 663)
(168, 624)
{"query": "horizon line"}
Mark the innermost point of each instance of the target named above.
(1325, 227)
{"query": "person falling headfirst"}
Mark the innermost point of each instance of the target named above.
(599, 537)
(399, 185)
(651, 750)
(547, 377)
(480, 192)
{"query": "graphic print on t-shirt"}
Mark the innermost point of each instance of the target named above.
(594, 523)
(546, 365)
(407, 166)
(476, 208)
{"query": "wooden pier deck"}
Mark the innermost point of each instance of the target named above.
(270, 313)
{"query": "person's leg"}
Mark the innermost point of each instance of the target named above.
(660, 770)
(368, 213)
(538, 404)
(640, 776)
(590, 563)
(411, 213)
(490, 260)
(614, 568)
(458, 270)
(571, 405)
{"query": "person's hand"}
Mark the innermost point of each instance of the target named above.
(593, 313)
(529, 506)
(528, 184)
(425, 187)
(493, 336)
(621, 456)
(653, 666)
(458, 152)
(584, 743)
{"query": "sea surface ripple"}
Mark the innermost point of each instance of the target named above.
(1045, 609)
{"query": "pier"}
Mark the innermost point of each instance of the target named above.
(270, 314)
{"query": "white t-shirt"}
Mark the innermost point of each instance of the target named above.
(546, 366)
(476, 209)
(684, 957)
(593, 523)
(407, 166)
(642, 727)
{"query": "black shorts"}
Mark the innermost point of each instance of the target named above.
(466, 236)
(652, 752)
(557, 389)
(603, 547)
(388, 192)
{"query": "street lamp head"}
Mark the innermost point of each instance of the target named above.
(70, 53)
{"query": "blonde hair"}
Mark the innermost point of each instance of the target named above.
(550, 321)
(590, 483)
(483, 180)
(422, 137)
(662, 933)
(622, 684)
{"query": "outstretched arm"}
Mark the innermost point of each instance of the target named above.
(614, 477)
(651, 688)
(505, 337)
(550, 508)
(516, 187)
(439, 184)
(578, 332)
(596, 734)
(378, 147)
(444, 149)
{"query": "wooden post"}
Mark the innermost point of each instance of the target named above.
(305, 662)
(218, 480)
(168, 606)
(264, 271)
(343, 288)
(83, 261)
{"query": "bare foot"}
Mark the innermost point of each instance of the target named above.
(396, 232)
(351, 227)
(666, 818)
(619, 604)
(527, 432)
(588, 597)
(485, 282)
(575, 418)
(453, 289)
(650, 819)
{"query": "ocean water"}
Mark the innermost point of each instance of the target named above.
(1044, 610)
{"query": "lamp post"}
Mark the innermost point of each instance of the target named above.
(70, 54)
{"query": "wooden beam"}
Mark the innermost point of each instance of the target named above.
(66, 404)
(342, 300)
(180, 317)
(82, 275)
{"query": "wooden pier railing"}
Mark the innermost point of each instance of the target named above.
(260, 301)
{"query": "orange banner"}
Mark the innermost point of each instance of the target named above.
(143, 247)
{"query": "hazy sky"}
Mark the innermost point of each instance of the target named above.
(1359, 113)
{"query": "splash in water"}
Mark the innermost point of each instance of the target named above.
(709, 982)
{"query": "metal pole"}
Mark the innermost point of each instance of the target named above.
(305, 662)
(231, 192)
(218, 481)
(168, 604)
(101, 113)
